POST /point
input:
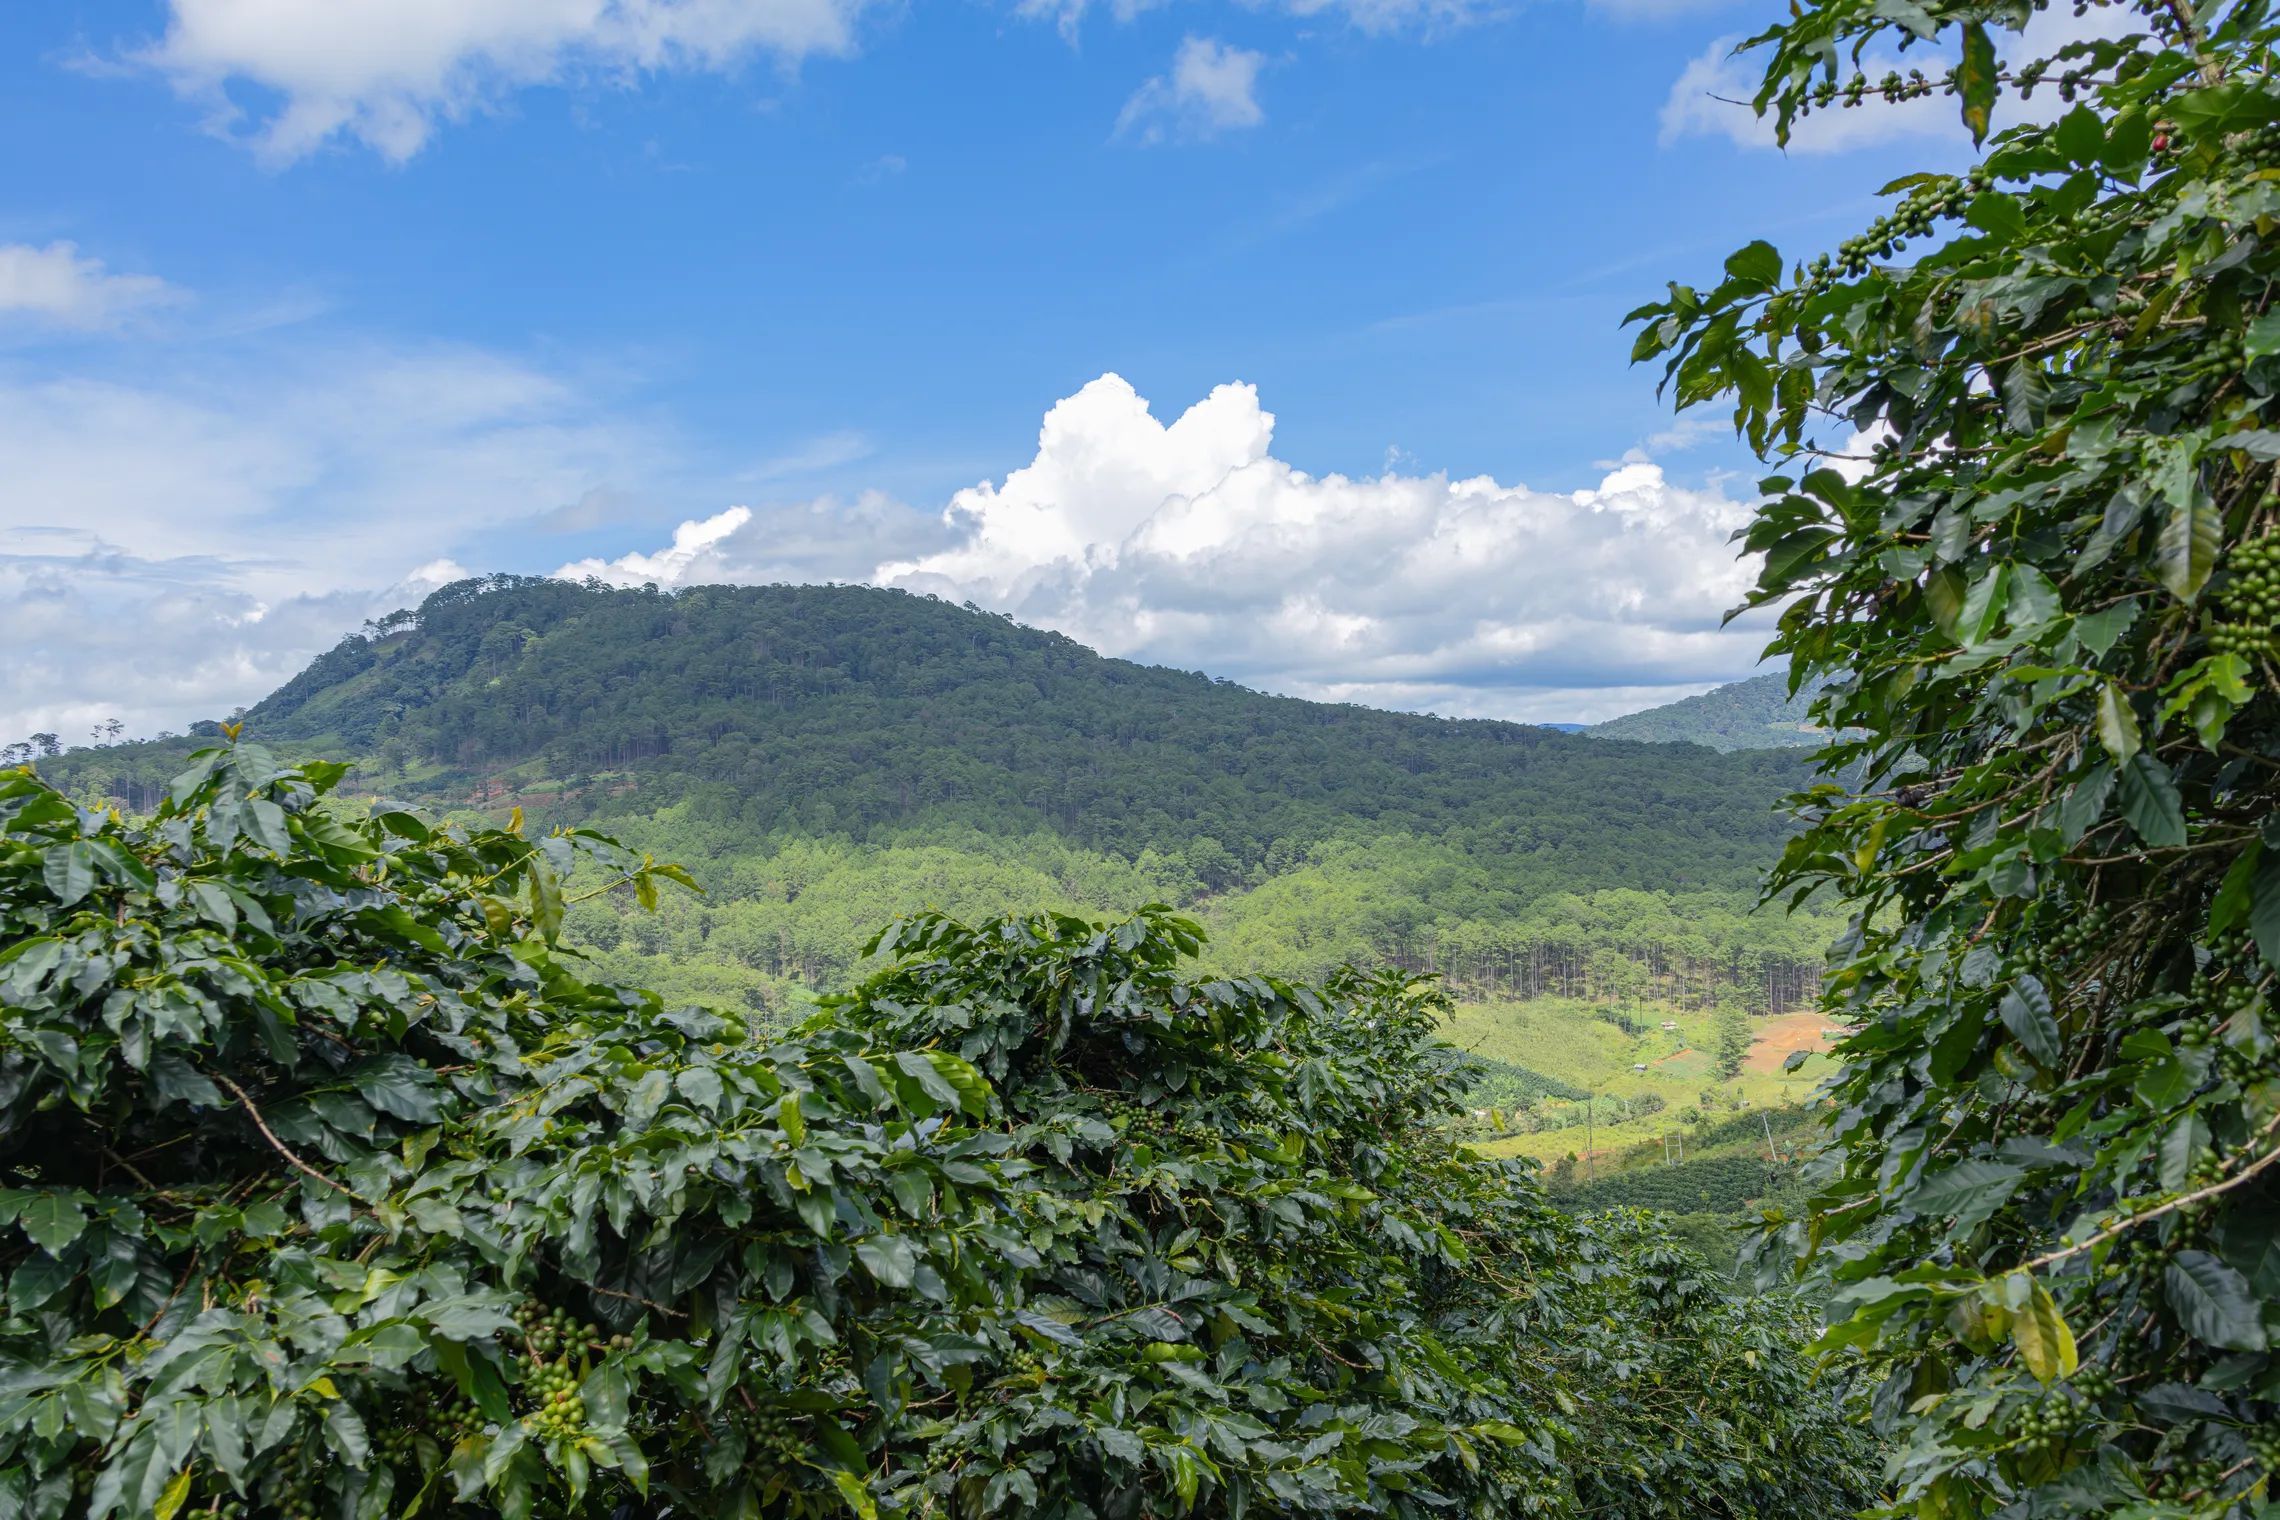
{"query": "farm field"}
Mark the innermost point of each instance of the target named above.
(1570, 1041)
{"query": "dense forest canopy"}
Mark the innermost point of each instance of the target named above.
(1760, 713)
(851, 710)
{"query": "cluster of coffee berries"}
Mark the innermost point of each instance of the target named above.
(553, 1331)
(776, 1440)
(2042, 1428)
(456, 1420)
(1893, 88)
(292, 1492)
(559, 1411)
(2082, 931)
(2094, 1383)
(2260, 144)
(2186, 1475)
(2264, 1445)
(398, 1445)
(2217, 351)
(224, 1507)
(1914, 217)
(2252, 597)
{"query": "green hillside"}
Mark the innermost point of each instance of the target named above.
(1754, 714)
(845, 710)
(826, 757)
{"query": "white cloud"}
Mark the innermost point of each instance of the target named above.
(94, 633)
(694, 543)
(823, 539)
(386, 71)
(175, 545)
(1191, 545)
(54, 285)
(1212, 88)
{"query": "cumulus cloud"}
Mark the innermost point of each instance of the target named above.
(56, 287)
(693, 543)
(386, 71)
(1190, 544)
(1212, 88)
(180, 545)
(826, 539)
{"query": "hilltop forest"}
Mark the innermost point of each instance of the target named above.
(823, 757)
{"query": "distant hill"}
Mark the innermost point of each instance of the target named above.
(1753, 714)
(856, 712)
(826, 757)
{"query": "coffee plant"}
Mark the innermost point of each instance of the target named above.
(2025, 526)
(333, 1190)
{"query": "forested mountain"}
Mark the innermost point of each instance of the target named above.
(853, 710)
(1754, 714)
(825, 757)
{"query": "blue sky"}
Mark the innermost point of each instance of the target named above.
(305, 303)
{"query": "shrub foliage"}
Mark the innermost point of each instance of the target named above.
(2044, 586)
(333, 1188)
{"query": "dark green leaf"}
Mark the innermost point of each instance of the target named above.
(51, 1221)
(396, 1084)
(2025, 1011)
(1968, 1190)
(2213, 1302)
(2151, 804)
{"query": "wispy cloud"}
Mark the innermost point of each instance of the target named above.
(824, 453)
(1374, 16)
(1212, 88)
(54, 286)
(178, 539)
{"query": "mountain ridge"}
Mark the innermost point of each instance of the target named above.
(861, 712)
(1757, 713)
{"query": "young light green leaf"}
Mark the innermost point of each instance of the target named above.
(2045, 1343)
(2118, 725)
(857, 1496)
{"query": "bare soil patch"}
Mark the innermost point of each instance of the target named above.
(1777, 1038)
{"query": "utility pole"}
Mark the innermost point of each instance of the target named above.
(1769, 1147)
(1589, 1160)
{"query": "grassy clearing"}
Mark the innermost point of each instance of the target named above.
(1568, 1039)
